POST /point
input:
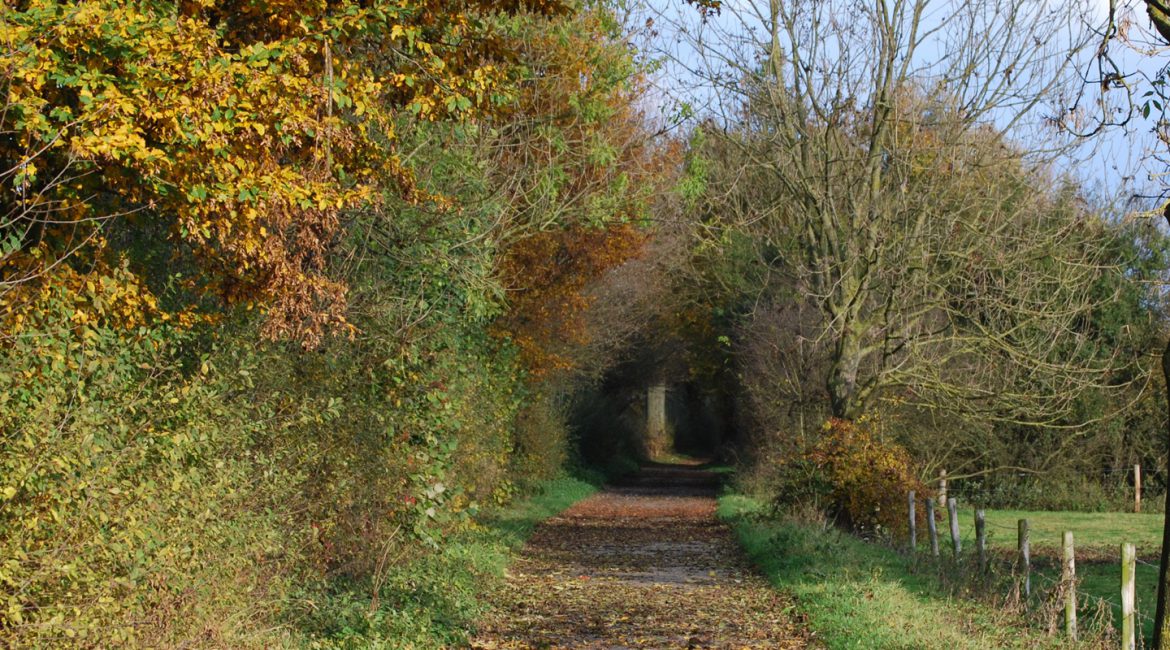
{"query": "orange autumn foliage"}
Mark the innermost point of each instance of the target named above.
(546, 277)
(868, 476)
(239, 130)
(578, 164)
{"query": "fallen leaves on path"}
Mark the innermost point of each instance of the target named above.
(647, 565)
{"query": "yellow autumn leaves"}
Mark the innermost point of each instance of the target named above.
(240, 132)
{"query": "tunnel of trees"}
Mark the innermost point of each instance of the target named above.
(291, 292)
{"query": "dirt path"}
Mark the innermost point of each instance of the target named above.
(644, 565)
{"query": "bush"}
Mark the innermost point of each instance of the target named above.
(134, 509)
(153, 495)
(541, 434)
(1056, 491)
(868, 477)
(849, 472)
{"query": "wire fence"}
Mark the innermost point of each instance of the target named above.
(1024, 571)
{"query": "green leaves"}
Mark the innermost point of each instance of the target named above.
(167, 477)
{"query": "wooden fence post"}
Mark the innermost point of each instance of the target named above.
(953, 511)
(913, 526)
(942, 488)
(1069, 578)
(981, 538)
(1025, 556)
(1128, 613)
(1137, 488)
(932, 527)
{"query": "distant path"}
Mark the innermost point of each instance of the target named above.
(644, 565)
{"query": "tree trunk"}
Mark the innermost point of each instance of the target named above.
(842, 384)
(656, 442)
(1161, 629)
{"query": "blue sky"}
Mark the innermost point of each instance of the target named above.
(1125, 156)
(1119, 162)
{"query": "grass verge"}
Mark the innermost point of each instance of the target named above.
(432, 601)
(860, 595)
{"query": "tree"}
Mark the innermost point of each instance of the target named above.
(578, 167)
(867, 153)
(241, 131)
(1160, 16)
(381, 443)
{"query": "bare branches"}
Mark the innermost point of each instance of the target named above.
(872, 155)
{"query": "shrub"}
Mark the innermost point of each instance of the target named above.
(1059, 490)
(857, 477)
(134, 509)
(867, 478)
(153, 495)
(541, 433)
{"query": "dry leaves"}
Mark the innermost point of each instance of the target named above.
(642, 566)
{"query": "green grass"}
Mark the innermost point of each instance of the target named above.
(860, 595)
(1103, 580)
(432, 601)
(1098, 537)
(1098, 531)
(512, 525)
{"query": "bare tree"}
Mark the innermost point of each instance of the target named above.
(871, 153)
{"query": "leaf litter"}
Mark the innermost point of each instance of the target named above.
(643, 565)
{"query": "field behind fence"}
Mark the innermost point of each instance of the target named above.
(1067, 560)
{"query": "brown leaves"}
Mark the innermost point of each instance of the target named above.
(644, 567)
(547, 275)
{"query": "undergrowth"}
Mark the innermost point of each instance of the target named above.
(161, 491)
(862, 595)
(432, 602)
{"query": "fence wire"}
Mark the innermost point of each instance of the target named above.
(1051, 583)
